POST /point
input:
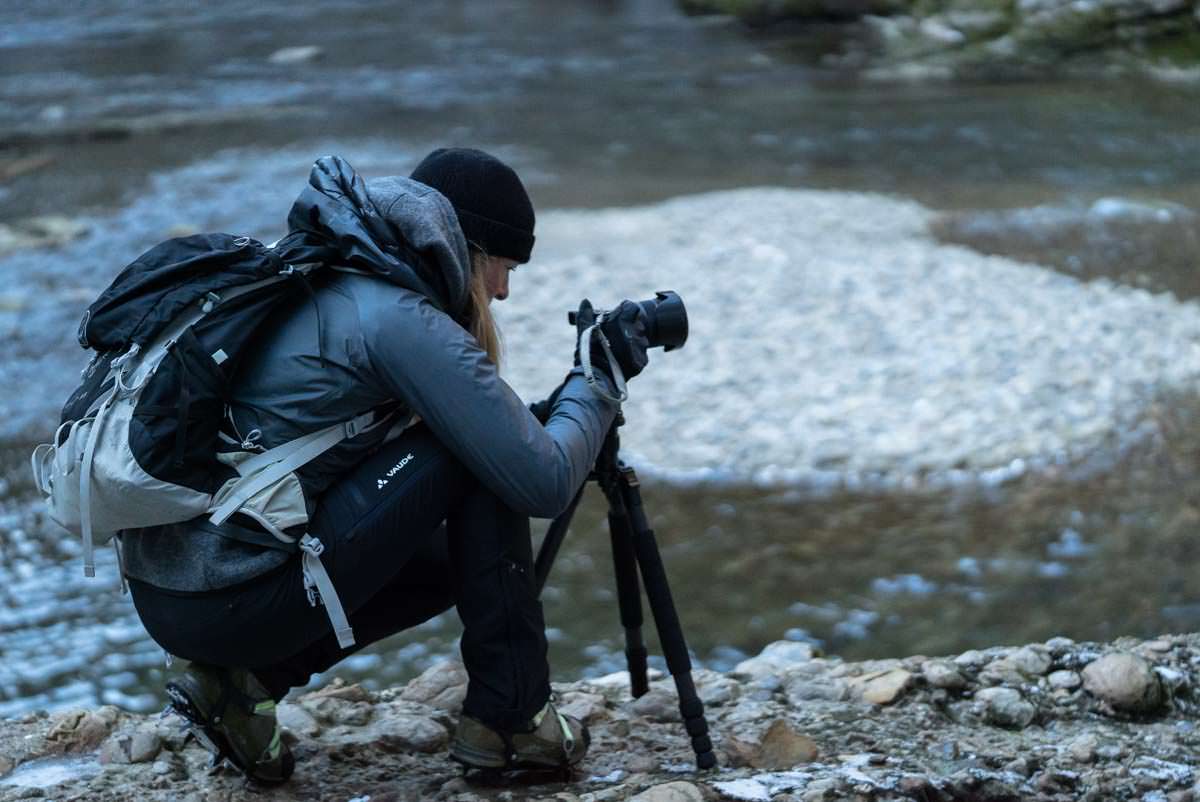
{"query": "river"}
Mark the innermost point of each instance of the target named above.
(150, 122)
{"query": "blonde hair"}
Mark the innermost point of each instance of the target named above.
(479, 318)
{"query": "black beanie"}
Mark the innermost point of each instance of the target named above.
(492, 205)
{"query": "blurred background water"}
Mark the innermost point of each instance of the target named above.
(140, 122)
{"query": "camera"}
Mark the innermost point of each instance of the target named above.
(666, 320)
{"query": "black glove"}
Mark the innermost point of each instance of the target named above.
(542, 409)
(625, 329)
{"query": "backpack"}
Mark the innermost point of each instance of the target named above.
(141, 440)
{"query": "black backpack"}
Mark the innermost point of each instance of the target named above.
(140, 442)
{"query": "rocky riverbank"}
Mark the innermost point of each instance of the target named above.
(1053, 721)
(987, 38)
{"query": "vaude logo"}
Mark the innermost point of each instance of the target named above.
(392, 471)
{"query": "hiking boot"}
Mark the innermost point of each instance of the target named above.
(555, 741)
(233, 716)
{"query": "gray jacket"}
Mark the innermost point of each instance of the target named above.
(368, 338)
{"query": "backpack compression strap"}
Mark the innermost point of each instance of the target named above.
(265, 469)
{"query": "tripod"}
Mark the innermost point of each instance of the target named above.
(634, 547)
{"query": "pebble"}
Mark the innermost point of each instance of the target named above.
(884, 688)
(943, 674)
(82, 730)
(443, 685)
(1018, 666)
(297, 719)
(1005, 707)
(1065, 680)
(910, 346)
(781, 747)
(1083, 748)
(1125, 681)
(658, 704)
(671, 792)
(777, 658)
(971, 659)
(587, 707)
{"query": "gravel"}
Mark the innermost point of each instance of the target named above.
(834, 342)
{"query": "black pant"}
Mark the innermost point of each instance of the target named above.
(402, 544)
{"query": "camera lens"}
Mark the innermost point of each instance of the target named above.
(666, 320)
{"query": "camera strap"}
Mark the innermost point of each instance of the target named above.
(589, 373)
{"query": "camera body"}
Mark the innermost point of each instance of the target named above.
(666, 320)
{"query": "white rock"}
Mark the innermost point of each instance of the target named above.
(1125, 681)
(747, 790)
(777, 658)
(671, 792)
(296, 55)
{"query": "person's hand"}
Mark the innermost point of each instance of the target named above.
(625, 329)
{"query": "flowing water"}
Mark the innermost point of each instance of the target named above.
(142, 123)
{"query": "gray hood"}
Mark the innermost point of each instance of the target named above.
(393, 227)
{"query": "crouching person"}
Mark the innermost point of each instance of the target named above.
(405, 520)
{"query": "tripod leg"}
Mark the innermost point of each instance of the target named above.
(666, 619)
(629, 594)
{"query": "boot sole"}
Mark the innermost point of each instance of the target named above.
(212, 739)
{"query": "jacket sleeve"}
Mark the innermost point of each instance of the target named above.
(437, 369)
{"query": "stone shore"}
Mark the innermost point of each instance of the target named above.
(1052, 721)
(905, 40)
